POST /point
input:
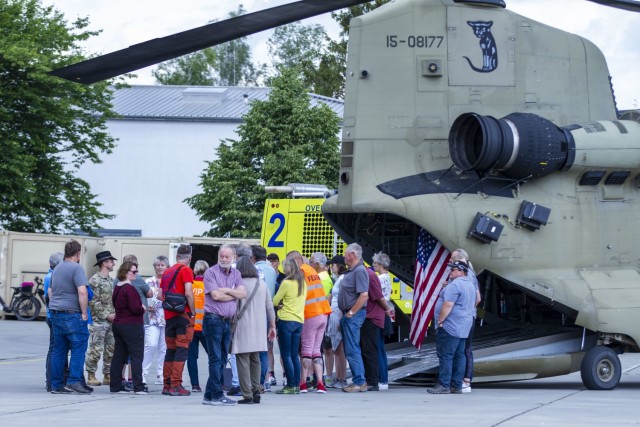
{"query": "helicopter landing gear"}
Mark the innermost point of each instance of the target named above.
(600, 369)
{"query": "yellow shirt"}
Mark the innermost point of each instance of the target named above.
(292, 304)
(327, 283)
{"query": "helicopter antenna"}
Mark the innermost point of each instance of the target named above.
(496, 178)
(515, 182)
(437, 180)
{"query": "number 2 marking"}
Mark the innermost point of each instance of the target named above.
(273, 241)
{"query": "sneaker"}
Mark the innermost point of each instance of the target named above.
(141, 392)
(303, 388)
(383, 386)
(179, 391)
(286, 390)
(234, 391)
(267, 387)
(329, 382)
(127, 385)
(121, 391)
(86, 387)
(77, 388)
(354, 388)
(245, 401)
(296, 390)
(166, 390)
(321, 388)
(61, 390)
(456, 390)
(272, 380)
(439, 389)
(466, 387)
(224, 401)
(257, 397)
(159, 380)
(340, 384)
(373, 388)
(196, 389)
(261, 389)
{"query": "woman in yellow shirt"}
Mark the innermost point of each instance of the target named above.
(290, 300)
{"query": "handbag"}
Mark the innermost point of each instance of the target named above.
(173, 301)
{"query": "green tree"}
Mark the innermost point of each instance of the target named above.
(305, 47)
(191, 69)
(282, 140)
(49, 127)
(227, 64)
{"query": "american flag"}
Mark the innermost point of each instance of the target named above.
(431, 268)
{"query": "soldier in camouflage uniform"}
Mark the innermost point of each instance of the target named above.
(101, 341)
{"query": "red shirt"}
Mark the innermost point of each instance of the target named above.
(374, 311)
(185, 275)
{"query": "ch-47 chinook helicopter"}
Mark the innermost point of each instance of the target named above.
(492, 132)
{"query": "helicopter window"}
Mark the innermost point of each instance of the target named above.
(591, 177)
(617, 177)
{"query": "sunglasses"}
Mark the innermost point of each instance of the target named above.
(133, 271)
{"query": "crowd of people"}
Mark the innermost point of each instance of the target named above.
(323, 314)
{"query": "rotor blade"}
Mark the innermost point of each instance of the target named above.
(631, 5)
(161, 49)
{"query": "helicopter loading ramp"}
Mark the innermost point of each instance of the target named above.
(506, 355)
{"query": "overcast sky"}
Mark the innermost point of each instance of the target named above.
(127, 22)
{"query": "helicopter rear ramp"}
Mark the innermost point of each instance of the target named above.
(507, 355)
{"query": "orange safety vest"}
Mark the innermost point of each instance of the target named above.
(316, 303)
(198, 301)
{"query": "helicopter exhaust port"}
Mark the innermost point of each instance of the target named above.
(519, 145)
(523, 145)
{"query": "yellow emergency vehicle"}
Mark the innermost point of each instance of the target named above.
(296, 223)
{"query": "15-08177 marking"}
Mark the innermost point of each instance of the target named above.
(415, 41)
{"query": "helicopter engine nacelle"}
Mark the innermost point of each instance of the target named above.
(523, 145)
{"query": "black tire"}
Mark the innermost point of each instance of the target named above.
(26, 308)
(601, 369)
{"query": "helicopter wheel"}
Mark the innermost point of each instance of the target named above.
(601, 369)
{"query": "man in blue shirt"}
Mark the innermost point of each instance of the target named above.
(54, 260)
(454, 315)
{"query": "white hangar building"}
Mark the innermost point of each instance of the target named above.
(165, 134)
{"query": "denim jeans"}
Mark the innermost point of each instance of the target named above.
(383, 365)
(468, 352)
(192, 357)
(451, 357)
(264, 365)
(351, 338)
(235, 380)
(217, 332)
(70, 333)
(289, 333)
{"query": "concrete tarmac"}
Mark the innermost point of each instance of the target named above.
(559, 401)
